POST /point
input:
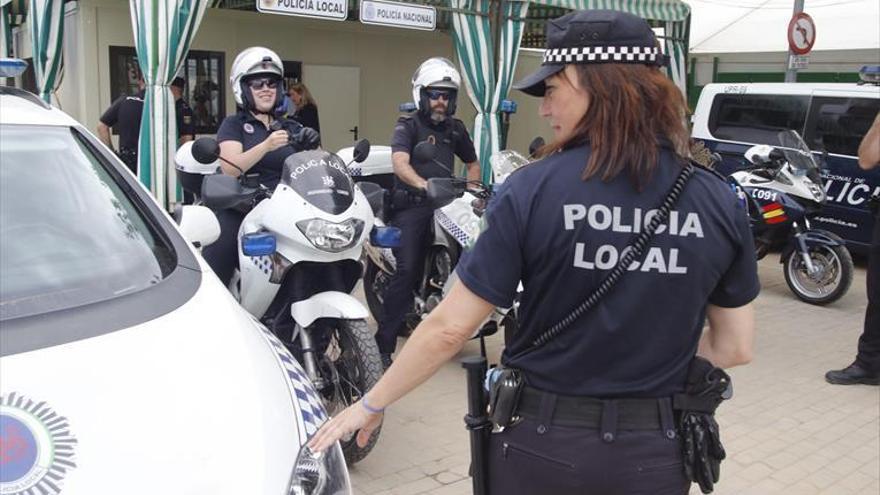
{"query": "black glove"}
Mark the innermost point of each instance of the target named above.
(706, 387)
(703, 451)
(306, 139)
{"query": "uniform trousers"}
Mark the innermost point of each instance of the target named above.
(415, 225)
(222, 254)
(869, 342)
(535, 457)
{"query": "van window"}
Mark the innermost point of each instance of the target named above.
(837, 124)
(757, 118)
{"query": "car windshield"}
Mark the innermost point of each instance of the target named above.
(69, 235)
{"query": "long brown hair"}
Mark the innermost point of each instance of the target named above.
(630, 106)
(303, 91)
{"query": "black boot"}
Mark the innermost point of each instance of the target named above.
(852, 375)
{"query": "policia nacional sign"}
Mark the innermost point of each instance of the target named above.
(405, 15)
(324, 9)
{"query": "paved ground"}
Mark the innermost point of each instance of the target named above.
(786, 430)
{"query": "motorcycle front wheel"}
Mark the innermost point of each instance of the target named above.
(831, 279)
(352, 366)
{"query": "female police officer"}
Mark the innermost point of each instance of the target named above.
(254, 141)
(596, 406)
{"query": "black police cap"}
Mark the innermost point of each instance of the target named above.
(593, 37)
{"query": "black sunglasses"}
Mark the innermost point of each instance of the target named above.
(436, 94)
(256, 84)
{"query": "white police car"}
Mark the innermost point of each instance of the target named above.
(125, 366)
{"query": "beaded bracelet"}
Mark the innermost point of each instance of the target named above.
(369, 409)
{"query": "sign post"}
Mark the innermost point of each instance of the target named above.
(801, 37)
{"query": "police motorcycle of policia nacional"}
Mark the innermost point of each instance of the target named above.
(299, 249)
(783, 190)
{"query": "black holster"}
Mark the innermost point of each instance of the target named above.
(707, 386)
(505, 387)
(402, 199)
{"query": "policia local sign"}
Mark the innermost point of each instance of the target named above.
(405, 15)
(324, 9)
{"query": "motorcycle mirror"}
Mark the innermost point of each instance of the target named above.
(535, 145)
(425, 152)
(441, 191)
(375, 195)
(361, 150)
(221, 191)
(206, 150)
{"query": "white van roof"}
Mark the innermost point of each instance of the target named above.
(710, 91)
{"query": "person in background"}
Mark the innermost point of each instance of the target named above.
(866, 368)
(305, 109)
(124, 117)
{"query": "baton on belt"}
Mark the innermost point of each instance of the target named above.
(477, 422)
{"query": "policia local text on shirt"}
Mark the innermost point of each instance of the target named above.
(611, 404)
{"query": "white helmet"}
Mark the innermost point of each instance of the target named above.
(436, 72)
(252, 61)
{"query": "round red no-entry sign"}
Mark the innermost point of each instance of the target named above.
(801, 33)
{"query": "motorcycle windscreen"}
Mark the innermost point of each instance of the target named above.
(321, 178)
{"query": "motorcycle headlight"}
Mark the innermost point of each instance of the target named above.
(330, 236)
(320, 474)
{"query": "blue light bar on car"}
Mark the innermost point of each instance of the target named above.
(386, 237)
(12, 67)
(258, 244)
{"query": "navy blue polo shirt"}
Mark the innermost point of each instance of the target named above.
(450, 137)
(124, 116)
(561, 235)
(249, 131)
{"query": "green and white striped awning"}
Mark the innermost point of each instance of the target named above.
(657, 10)
(163, 33)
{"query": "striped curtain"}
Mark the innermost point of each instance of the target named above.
(5, 28)
(46, 22)
(676, 49)
(163, 31)
(472, 34)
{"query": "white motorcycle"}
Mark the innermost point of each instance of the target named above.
(457, 224)
(783, 190)
(299, 259)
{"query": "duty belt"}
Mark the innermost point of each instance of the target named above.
(589, 412)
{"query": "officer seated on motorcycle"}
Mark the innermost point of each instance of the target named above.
(253, 142)
(435, 87)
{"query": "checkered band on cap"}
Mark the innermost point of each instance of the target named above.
(600, 54)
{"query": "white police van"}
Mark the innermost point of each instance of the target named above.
(831, 117)
(127, 367)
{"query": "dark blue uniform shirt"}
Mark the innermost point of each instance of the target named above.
(561, 235)
(249, 131)
(124, 116)
(450, 137)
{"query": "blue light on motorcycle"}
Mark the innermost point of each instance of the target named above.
(12, 67)
(387, 237)
(258, 244)
(508, 106)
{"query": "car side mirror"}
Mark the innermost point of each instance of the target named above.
(424, 152)
(361, 150)
(375, 195)
(206, 150)
(198, 224)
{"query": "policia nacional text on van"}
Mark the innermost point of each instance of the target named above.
(617, 402)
